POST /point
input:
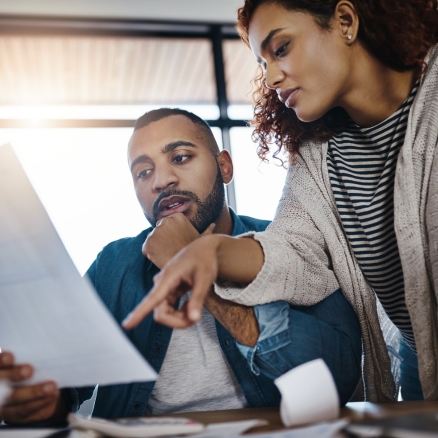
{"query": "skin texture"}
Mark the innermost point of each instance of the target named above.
(329, 68)
(189, 168)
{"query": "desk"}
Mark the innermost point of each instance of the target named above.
(356, 411)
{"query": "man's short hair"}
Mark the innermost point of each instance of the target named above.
(161, 113)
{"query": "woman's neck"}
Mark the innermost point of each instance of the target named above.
(375, 91)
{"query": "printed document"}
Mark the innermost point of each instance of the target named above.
(50, 317)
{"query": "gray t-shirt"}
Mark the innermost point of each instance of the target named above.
(195, 375)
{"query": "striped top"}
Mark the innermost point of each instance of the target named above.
(361, 164)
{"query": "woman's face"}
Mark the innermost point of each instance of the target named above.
(308, 66)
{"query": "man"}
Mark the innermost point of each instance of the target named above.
(179, 175)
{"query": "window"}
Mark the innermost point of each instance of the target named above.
(71, 91)
(258, 185)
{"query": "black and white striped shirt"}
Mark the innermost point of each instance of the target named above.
(361, 164)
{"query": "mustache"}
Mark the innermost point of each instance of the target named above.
(172, 192)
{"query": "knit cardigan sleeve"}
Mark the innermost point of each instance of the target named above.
(432, 222)
(296, 262)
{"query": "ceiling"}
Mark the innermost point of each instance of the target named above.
(223, 11)
(65, 70)
(118, 70)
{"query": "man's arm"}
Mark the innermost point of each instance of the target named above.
(239, 320)
(171, 235)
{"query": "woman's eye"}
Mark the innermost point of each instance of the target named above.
(144, 173)
(281, 50)
(180, 158)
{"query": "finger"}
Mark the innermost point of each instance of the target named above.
(164, 285)
(6, 359)
(36, 410)
(166, 314)
(16, 373)
(209, 230)
(200, 290)
(25, 394)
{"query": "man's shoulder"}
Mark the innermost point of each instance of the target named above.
(254, 224)
(121, 253)
(126, 243)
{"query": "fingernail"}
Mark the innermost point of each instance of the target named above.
(127, 319)
(49, 388)
(195, 315)
(25, 372)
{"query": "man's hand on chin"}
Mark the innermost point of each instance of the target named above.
(170, 236)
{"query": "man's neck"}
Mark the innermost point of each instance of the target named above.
(224, 223)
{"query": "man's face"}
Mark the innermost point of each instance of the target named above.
(175, 172)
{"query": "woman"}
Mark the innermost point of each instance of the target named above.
(350, 90)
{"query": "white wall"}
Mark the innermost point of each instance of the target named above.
(182, 10)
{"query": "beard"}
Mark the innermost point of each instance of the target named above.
(207, 211)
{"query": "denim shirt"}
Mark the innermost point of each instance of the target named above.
(122, 277)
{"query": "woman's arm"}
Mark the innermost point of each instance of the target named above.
(432, 221)
(289, 261)
(195, 268)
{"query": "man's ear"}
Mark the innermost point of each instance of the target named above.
(226, 166)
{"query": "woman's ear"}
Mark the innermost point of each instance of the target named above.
(347, 21)
(225, 164)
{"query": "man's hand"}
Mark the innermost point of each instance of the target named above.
(196, 268)
(170, 236)
(193, 268)
(28, 403)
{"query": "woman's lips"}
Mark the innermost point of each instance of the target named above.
(288, 96)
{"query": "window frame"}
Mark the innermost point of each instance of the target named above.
(61, 26)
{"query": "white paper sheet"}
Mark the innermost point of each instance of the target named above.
(308, 394)
(4, 391)
(232, 428)
(50, 316)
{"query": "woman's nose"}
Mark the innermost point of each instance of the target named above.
(273, 77)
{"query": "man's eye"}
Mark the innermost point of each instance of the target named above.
(144, 173)
(280, 51)
(180, 158)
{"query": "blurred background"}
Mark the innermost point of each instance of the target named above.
(74, 76)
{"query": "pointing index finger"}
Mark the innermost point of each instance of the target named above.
(164, 286)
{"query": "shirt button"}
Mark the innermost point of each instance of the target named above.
(158, 349)
(227, 342)
(137, 406)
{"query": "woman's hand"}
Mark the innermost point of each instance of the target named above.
(194, 268)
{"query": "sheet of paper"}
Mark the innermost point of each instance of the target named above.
(49, 315)
(41, 433)
(232, 428)
(4, 391)
(308, 394)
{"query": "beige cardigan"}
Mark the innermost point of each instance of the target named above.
(307, 255)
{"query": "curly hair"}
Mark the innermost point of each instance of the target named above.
(397, 32)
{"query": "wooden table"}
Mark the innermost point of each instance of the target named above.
(356, 411)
